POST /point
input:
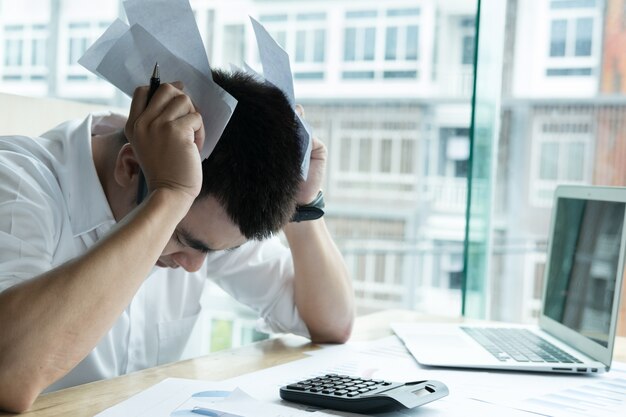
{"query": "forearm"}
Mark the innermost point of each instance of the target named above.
(322, 287)
(51, 322)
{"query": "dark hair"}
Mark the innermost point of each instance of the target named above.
(254, 170)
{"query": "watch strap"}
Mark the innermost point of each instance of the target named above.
(312, 211)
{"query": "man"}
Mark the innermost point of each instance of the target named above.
(78, 300)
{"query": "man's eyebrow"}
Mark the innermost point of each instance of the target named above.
(194, 243)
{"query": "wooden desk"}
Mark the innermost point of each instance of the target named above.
(90, 399)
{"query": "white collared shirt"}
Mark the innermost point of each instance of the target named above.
(53, 208)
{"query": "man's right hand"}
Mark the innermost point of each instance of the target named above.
(167, 136)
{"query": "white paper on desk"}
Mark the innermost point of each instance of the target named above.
(370, 361)
(164, 398)
(602, 395)
(176, 397)
(276, 70)
(547, 394)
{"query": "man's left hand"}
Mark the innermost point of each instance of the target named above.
(317, 168)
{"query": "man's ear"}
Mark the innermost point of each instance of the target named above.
(127, 168)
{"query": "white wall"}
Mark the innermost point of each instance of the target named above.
(33, 116)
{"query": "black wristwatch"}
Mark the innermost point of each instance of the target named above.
(311, 211)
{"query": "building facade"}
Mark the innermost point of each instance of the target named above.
(385, 85)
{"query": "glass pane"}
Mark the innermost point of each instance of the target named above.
(549, 161)
(319, 45)
(345, 154)
(39, 52)
(412, 42)
(365, 155)
(300, 46)
(369, 44)
(406, 157)
(483, 137)
(467, 57)
(584, 29)
(575, 161)
(385, 155)
(557, 37)
(559, 121)
(13, 52)
(391, 43)
(349, 46)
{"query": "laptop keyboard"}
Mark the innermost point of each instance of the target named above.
(521, 345)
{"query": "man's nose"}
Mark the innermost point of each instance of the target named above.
(190, 262)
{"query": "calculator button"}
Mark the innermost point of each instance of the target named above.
(328, 391)
(364, 390)
(353, 394)
(297, 387)
(341, 392)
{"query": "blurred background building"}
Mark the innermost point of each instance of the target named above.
(388, 87)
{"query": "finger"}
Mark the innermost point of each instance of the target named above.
(179, 85)
(318, 149)
(176, 108)
(161, 98)
(193, 122)
(200, 136)
(300, 110)
(137, 106)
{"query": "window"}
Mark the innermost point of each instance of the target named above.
(303, 36)
(467, 54)
(375, 156)
(405, 50)
(571, 37)
(81, 35)
(584, 29)
(77, 48)
(234, 36)
(558, 37)
(392, 38)
(25, 52)
(360, 44)
(13, 52)
(561, 151)
(572, 32)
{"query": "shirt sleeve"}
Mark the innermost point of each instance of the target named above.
(28, 218)
(260, 275)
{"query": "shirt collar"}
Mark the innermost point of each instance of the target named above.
(88, 206)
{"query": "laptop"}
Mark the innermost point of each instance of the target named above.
(580, 302)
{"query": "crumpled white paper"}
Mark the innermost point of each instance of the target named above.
(165, 31)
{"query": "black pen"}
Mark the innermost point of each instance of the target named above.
(155, 82)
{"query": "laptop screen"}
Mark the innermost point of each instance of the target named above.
(583, 265)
